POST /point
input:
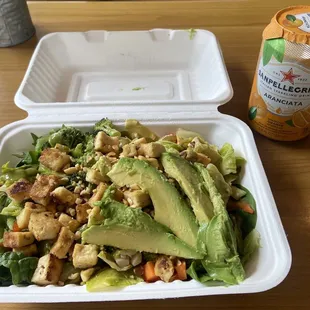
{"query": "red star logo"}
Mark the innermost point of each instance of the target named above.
(289, 76)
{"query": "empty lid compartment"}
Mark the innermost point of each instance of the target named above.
(163, 66)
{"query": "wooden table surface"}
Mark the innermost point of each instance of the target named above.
(238, 25)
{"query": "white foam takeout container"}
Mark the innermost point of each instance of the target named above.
(166, 79)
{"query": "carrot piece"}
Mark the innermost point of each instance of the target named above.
(149, 272)
(15, 227)
(181, 271)
(239, 205)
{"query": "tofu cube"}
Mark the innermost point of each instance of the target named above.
(17, 239)
(42, 187)
(67, 221)
(81, 212)
(54, 159)
(152, 149)
(94, 176)
(129, 150)
(86, 274)
(23, 218)
(64, 196)
(105, 144)
(48, 270)
(44, 226)
(28, 250)
(63, 243)
(85, 256)
(19, 190)
(138, 198)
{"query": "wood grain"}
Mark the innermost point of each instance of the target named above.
(238, 26)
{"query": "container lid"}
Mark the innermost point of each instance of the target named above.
(292, 24)
(159, 72)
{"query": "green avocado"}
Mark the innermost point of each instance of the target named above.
(191, 183)
(133, 229)
(171, 209)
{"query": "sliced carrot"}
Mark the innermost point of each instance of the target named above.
(239, 205)
(181, 271)
(15, 227)
(149, 273)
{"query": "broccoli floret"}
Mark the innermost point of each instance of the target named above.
(87, 158)
(66, 135)
(107, 126)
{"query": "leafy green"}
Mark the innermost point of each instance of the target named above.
(197, 272)
(28, 158)
(44, 170)
(9, 175)
(248, 220)
(21, 268)
(251, 245)
(136, 130)
(228, 164)
(44, 247)
(66, 135)
(110, 278)
(40, 143)
(4, 200)
(77, 151)
(107, 126)
(13, 209)
(218, 240)
(237, 193)
(186, 136)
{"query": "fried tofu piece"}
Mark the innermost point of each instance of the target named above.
(19, 190)
(54, 159)
(85, 256)
(64, 196)
(28, 250)
(48, 270)
(67, 221)
(42, 187)
(97, 196)
(95, 177)
(86, 274)
(151, 149)
(63, 243)
(81, 212)
(44, 226)
(17, 239)
(137, 198)
(105, 143)
(23, 218)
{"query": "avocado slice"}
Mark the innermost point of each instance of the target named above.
(171, 209)
(136, 129)
(132, 229)
(191, 183)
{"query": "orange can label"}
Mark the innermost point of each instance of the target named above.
(279, 105)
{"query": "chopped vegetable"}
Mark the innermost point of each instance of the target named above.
(149, 272)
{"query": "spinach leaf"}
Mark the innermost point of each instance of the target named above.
(21, 268)
(248, 220)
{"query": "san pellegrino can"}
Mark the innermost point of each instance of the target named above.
(279, 105)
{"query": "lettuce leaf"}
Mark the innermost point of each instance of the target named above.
(13, 209)
(228, 164)
(9, 175)
(21, 268)
(251, 245)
